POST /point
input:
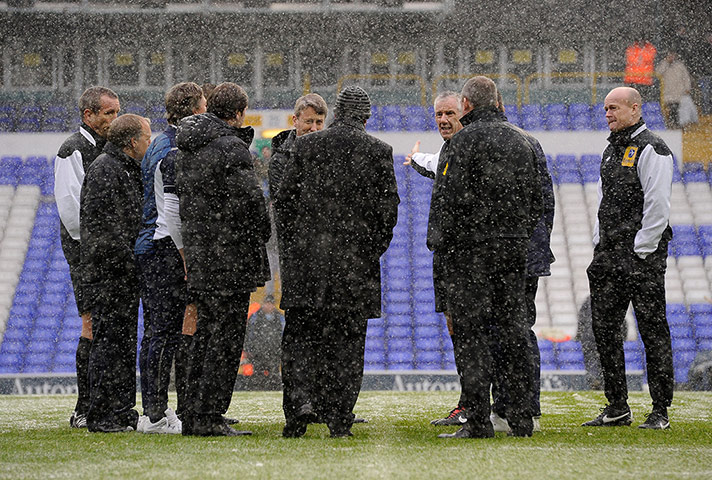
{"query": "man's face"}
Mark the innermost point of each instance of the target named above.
(308, 121)
(620, 113)
(141, 144)
(202, 106)
(447, 117)
(100, 121)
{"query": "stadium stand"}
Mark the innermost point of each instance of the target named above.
(39, 322)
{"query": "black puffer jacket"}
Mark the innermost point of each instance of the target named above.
(487, 186)
(281, 144)
(224, 219)
(110, 219)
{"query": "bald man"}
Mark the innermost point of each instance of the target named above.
(631, 237)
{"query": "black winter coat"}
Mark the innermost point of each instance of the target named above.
(224, 218)
(281, 144)
(110, 219)
(487, 186)
(336, 209)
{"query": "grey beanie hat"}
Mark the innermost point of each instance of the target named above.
(353, 102)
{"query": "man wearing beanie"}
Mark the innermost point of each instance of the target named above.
(336, 209)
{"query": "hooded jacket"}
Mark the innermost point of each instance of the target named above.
(224, 219)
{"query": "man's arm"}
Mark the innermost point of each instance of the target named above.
(68, 179)
(655, 173)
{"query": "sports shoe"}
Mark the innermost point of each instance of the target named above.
(168, 424)
(500, 424)
(455, 417)
(537, 424)
(612, 416)
(78, 420)
(469, 431)
(656, 420)
(142, 422)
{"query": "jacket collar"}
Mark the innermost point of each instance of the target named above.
(624, 136)
(120, 155)
(488, 114)
(91, 136)
(348, 121)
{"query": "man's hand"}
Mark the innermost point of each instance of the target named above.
(190, 319)
(409, 157)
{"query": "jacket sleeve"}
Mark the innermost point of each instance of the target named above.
(68, 179)
(171, 204)
(387, 201)
(428, 163)
(655, 173)
(247, 194)
(596, 225)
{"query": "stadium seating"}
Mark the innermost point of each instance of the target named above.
(40, 323)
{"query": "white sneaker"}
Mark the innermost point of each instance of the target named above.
(500, 424)
(170, 424)
(142, 422)
(537, 425)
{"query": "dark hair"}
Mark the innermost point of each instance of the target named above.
(227, 100)
(125, 128)
(207, 89)
(91, 98)
(181, 100)
(313, 100)
(481, 92)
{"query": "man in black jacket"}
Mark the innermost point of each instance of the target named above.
(336, 209)
(98, 106)
(225, 228)
(486, 202)
(630, 239)
(110, 219)
(309, 116)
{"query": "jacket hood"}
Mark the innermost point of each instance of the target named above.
(196, 131)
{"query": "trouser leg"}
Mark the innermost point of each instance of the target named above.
(532, 285)
(649, 305)
(609, 302)
(343, 340)
(299, 346)
(220, 335)
(112, 360)
(82, 359)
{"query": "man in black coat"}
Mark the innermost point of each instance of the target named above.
(110, 219)
(225, 228)
(98, 107)
(336, 209)
(486, 203)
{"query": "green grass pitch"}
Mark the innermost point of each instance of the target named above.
(398, 442)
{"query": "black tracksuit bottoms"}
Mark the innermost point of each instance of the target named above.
(616, 278)
(322, 363)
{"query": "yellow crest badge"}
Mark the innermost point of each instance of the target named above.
(629, 156)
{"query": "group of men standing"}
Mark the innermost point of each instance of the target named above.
(183, 225)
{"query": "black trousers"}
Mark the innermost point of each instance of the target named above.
(485, 298)
(500, 390)
(616, 278)
(215, 352)
(164, 295)
(112, 360)
(70, 247)
(322, 363)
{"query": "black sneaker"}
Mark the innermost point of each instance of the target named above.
(78, 420)
(455, 417)
(656, 420)
(612, 416)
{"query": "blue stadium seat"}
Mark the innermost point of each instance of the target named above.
(703, 332)
(681, 331)
(29, 119)
(428, 359)
(9, 170)
(532, 117)
(398, 331)
(399, 344)
(512, 113)
(392, 118)
(678, 319)
(694, 172)
(375, 331)
(556, 116)
(653, 116)
(682, 360)
(374, 122)
(598, 117)
(682, 344)
(416, 118)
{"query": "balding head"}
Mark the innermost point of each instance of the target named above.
(479, 92)
(623, 108)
